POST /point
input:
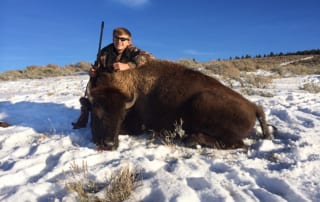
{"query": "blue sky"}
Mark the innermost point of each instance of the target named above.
(41, 32)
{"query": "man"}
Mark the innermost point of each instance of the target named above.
(120, 55)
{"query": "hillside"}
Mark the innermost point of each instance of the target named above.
(281, 65)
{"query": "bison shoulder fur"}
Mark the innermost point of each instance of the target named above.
(159, 93)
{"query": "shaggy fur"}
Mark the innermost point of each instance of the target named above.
(162, 92)
(4, 124)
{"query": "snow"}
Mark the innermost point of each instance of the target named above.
(293, 61)
(38, 149)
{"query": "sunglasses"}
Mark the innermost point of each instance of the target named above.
(120, 38)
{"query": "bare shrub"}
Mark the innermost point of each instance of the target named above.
(290, 70)
(118, 187)
(79, 178)
(189, 63)
(245, 64)
(170, 137)
(279, 70)
(11, 75)
(310, 87)
(258, 81)
(299, 69)
(83, 66)
(122, 183)
(32, 68)
(224, 68)
(50, 70)
(231, 72)
(252, 91)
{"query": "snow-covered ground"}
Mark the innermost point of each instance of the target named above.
(39, 148)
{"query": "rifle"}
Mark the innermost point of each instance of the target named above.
(84, 101)
(97, 63)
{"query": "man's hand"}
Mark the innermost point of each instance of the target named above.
(118, 66)
(92, 72)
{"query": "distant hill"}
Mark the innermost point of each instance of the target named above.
(281, 64)
(298, 63)
(50, 70)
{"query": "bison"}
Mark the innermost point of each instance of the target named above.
(4, 124)
(158, 94)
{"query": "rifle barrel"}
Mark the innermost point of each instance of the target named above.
(100, 39)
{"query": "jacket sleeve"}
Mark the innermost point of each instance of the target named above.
(139, 57)
(105, 57)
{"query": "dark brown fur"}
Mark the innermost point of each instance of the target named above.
(163, 92)
(4, 124)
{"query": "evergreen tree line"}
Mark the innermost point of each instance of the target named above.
(272, 54)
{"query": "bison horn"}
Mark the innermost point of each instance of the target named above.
(131, 102)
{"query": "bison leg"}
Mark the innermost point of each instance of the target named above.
(263, 123)
(132, 123)
(213, 142)
(219, 121)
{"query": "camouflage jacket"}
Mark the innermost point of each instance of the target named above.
(133, 56)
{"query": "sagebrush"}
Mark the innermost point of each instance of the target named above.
(116, 188)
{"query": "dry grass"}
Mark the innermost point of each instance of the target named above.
(282, 65)
(11, 75)
(51, 70)
(169, 137)
(258, 81)
(231, 69)
(311, 87)
(189, 63)
(118, 187)
(252, 91)
(225, 69)
(242, 70)
(79, 178)
(122, 183)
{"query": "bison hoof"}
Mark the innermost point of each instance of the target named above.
(103, 148)
(107, 146)
(190, 142)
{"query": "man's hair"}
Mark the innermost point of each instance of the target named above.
(121, 31)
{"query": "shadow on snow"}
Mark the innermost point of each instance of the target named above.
(49, 118)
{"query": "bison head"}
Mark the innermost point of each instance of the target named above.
(109, 108)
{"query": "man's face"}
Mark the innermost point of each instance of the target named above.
(121, 42)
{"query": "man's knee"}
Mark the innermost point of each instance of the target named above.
(85, 103)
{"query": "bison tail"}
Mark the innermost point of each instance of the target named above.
(263, 123)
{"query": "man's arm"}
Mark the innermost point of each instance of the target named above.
(119, 66)
(136, 58)
(139, 57)
(143, 58)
